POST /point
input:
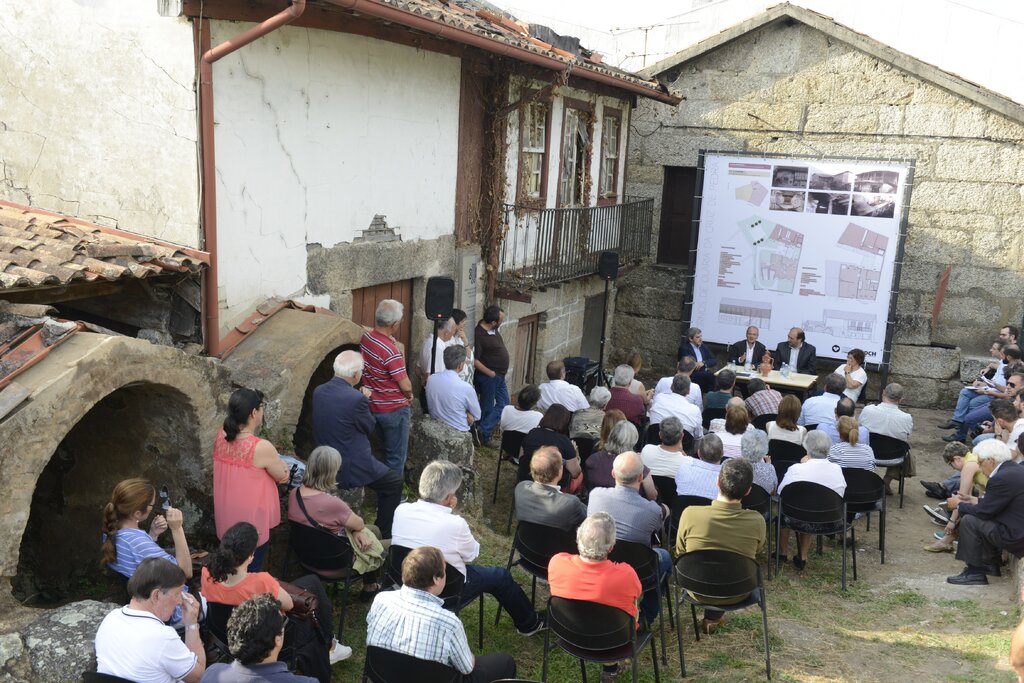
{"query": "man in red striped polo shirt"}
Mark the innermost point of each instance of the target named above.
(390, 389)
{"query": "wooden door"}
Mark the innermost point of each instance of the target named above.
(364, 305)
(525, 352)
(677, 215)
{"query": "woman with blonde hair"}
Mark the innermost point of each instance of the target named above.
(849, 452)
(125, 544)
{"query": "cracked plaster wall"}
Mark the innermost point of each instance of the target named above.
(318, 131)
(98, 114)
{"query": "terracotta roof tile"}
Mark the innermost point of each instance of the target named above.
(39, 248)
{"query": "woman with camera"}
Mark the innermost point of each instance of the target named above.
(246, 471)
(226, 580)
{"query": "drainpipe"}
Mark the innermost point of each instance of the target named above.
(211, 305)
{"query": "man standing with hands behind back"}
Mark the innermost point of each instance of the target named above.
(491, 365)
(800, 355)
(747, 351)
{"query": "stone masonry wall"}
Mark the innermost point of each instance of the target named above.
(793, 90)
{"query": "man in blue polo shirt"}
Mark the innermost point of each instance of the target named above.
(451, 400)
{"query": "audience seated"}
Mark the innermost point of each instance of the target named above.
(818, 410)
(725, 382)
(737, 422)
(664, 459)
(967, 478)
(631, 405)
(431, 521)
(412, 621)
(754, 447)
(611, 418)
(636, 361)
(996, 388)
(342, 420)
(995, 522)
(591, 576)
(784, 427)
(723, 525)
(623, 437)
(553, 430)
(853, 374)
(451, 400)
(850, 452)
(844, 407)
(814, 467)
(557, 390)
(699, 476)
(887, 419)
(320, 505)
(685, 366)
(980, 392)
(227, 581)
(524, 415)
(587, 423)
(133, 641)
(762, 399)
(540, 501)
(255, 638)
(676, 404)
(636, 519)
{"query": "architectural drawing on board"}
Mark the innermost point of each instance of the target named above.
(846, 324)
(752, 193)
(776, 253)
(745, 313)
(857, 280)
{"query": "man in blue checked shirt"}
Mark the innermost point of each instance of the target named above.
(412, 621)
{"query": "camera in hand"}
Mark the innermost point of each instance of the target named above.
(165, 498)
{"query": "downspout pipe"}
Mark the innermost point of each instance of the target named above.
(211, 305)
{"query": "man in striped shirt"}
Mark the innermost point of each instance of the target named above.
(385, 376)
(413, 621)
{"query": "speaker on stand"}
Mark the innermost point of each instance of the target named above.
(438, 304)
(608, 269)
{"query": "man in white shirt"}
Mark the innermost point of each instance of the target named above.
(686, 366)
(451, 400)
(431, 521)
(664, 459)
(821, 409)
(133, 641)
(887, 419)
(814, 468)
(444, 338)
(676, 404)
(557, 390)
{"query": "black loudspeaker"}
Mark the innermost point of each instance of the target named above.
(608, 266)
(440, 298)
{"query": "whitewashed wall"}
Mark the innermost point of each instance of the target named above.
(316, 132)
(98, 114)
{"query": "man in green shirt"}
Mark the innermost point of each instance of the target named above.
(724, 525)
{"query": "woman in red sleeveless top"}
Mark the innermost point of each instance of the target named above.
(246, 471)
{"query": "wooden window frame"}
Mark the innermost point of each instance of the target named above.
(582, 106)
(607, 196)
(522, 199)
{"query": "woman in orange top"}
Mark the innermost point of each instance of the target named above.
(227, 581)
(246, 471)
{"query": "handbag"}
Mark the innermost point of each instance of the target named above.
(304, 603)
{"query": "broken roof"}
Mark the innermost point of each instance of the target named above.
(40, 249)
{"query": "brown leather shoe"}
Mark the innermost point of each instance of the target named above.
(709, 626)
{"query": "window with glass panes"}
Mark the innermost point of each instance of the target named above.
(533, 136)
(610, 131)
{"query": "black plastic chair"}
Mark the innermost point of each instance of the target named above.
(511, 444)
(653, 435)
(719, 575)
(387, 666)
(865, 493)
(217, 615)
(536, 545)
(585, 446)
(592, 632)
(666, 489)
(451, 596)
(812, 427)
(712, 414)
(781, 450)
(760, 501)
(809, 508)
(890, 452)
(688, 443)
(644, 561)
(678, 505)
(761, 421)
(96, 677)
(330, 557)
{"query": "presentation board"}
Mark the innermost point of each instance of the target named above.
(798, 243)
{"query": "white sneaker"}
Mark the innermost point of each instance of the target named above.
(340, 652)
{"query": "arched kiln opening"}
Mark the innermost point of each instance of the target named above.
(303, 438)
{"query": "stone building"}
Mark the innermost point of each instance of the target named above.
(793, 82)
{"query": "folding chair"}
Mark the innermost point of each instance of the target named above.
(536, 545)
(94, 677)
(511, 444)
(760, 501)
(644, 561)
(890, 452)
(585, 446)
(327, 555)
(712, 414)
(865, 492)
(387, 666)
(678, 505)
(722, 576)
(809, 508)
(653, 435)
(761, 421)
(666, 489)
(592, 632)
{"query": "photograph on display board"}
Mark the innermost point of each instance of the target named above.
(790, 176)
(827, 202)
(787, 201)
(837, 182)
(874, 205)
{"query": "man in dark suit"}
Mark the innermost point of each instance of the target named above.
(747, 350)
(342, 419)
(800, 355)
(540, 501)
(996, 522)
(694, 346)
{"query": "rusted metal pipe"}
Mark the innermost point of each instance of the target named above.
(211, 304)
(441, 30)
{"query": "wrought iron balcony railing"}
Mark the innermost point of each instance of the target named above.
(545, 246)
